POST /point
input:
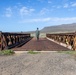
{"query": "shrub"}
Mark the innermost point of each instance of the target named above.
(7, 52)
(33, 52)
(68, 52)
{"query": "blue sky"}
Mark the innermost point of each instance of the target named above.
(27, 15)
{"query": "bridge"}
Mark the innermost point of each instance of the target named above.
(24, 42)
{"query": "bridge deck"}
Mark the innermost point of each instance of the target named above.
(42, 45)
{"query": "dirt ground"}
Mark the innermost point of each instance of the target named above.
(43, 63)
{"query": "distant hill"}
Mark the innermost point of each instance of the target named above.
(60, 28)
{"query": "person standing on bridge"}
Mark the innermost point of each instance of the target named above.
(37, 33)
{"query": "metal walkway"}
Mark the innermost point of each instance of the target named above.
(41, 45)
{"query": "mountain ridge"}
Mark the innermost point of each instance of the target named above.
(60, 28)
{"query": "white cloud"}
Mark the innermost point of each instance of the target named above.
(25, 11)
(49, 1)
(8, 12)
(54, 19)
(41, 1)
(29, 1)
(66, 5)
(65, 19)
(53, 6)
(73, 5)
(44, 11)
(71, 9)
(19, 4)
(58, 7)
(35, 20)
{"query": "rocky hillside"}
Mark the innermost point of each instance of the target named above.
(60, 28)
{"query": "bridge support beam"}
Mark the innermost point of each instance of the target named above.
(67, 38)
(9, 39)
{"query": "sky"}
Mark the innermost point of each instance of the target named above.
(27, 15)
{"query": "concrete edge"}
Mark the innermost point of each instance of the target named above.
(20, 52)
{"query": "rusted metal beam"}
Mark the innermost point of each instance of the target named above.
(9, 39)
(67, 38)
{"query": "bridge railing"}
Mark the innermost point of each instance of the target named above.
(68, 38)
(11, 39)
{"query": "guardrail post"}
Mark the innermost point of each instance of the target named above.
(0, 40)
(74, 43)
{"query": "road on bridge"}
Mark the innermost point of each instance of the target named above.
(42, 44)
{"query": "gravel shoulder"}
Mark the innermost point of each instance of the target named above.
(44, 63)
